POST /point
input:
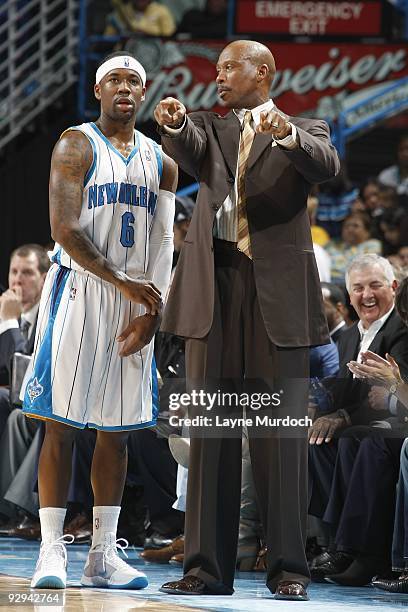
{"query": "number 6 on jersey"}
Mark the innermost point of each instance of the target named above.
(127, 234)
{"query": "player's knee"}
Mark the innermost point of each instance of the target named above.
(116, 442)
(59, 432)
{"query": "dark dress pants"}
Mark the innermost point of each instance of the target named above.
(238, 355)
(400, 535)
(366, 521)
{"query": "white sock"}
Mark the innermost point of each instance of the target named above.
(52, 523)
(105, 525)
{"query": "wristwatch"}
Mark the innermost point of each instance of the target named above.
(394, 387)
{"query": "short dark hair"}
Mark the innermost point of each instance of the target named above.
(116, 54)
(25, 250)
(336, 294)
(401, 300)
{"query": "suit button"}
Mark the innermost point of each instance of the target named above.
(215, 206)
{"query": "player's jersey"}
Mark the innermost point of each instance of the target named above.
(119, 201)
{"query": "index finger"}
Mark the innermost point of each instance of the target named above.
(18, 292)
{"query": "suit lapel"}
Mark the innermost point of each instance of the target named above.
(261, 141)
(376, 343)
(227, 129)
(350, 352)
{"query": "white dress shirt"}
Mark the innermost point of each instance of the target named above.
(29, 316)
(226, 220)
(368, 335)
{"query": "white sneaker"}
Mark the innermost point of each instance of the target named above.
(104, 568)
(51, 569)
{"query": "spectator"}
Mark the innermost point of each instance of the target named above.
(355, 240)
(397, 175)
(139, 16)
(18, 315)
(403, 255)
(334, 301)
(18, 312)
(370, 195)
(391, 225)
(371, 285)
(208, 23)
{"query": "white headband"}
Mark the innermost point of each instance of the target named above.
(121, 61)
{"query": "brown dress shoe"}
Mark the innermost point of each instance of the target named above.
(189, 585)
(291, 591)
(177, 559)
(29, 529)
(80, 527)
(163, 555)
(193, 585)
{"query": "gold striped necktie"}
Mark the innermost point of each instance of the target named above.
(245, 143)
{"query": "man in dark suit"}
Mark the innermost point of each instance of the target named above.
(334, 302)
(18, 319)
(19, 310)
(247, 298)
(341, 469)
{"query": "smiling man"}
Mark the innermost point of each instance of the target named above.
(111, 210)
(356, 412)
(246, 296)
(371, 285)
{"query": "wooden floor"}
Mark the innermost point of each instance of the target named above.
(14, 591)
(18, 558)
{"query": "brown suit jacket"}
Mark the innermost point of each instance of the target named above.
(277, 184)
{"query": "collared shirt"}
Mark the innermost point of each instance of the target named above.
(368, 335)
(29, 316)
(339, 326)
(226, 220)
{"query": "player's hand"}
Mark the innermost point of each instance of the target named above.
(273, 123)
(138, 334)
(142, 292)
(324, 428)
(11, 305)
(170, 112)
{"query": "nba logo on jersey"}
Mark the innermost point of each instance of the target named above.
(126, 61)
(72, 293)
(148, 156)
(34, 389)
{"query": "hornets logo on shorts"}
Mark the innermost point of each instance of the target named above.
(34, 389)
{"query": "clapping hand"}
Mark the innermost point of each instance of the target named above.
(376, 369)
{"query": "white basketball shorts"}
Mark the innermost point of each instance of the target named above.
(76, 375)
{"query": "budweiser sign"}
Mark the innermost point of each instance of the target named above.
(315, 79)
(309, 18)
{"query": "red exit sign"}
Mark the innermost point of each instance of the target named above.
(309, 18)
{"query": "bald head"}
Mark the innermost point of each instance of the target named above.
(245, 71)
(256, 52)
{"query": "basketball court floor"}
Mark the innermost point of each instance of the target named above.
(18, 557)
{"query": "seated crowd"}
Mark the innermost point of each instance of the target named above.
(358, 455)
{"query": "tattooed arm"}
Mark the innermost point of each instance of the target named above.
(71, 159)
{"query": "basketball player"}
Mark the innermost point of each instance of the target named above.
(111, 209)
